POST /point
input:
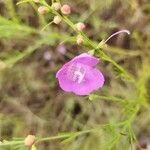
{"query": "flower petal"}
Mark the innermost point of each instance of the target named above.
(64, 82)
(94, 79)
(60, 71)
(85, 59)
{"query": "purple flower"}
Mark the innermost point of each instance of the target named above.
(80, 75)
(61, 49)
(47, 55)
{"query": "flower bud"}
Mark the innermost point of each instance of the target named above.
(2, 65)
(56, 6)
(29, 140)
(62, 49)
(36, 1)
(65, 9)
(42, 10)
(80, 26)
(57, 20)
(80, 40)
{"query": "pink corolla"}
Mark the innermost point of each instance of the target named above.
(80, 75)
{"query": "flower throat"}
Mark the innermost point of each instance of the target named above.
(76, 72)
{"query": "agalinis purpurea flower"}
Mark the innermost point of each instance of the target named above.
(80, 75)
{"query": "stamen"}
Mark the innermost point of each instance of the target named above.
(121, 31)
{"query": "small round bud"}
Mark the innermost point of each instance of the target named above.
(80, 26)
(42, 10)
(29, 140)
(80, 40)
(65, 9)
(57, 20)
(56, 6)
(2, 65)
(36, 1)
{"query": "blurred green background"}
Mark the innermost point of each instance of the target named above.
(31, 101)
